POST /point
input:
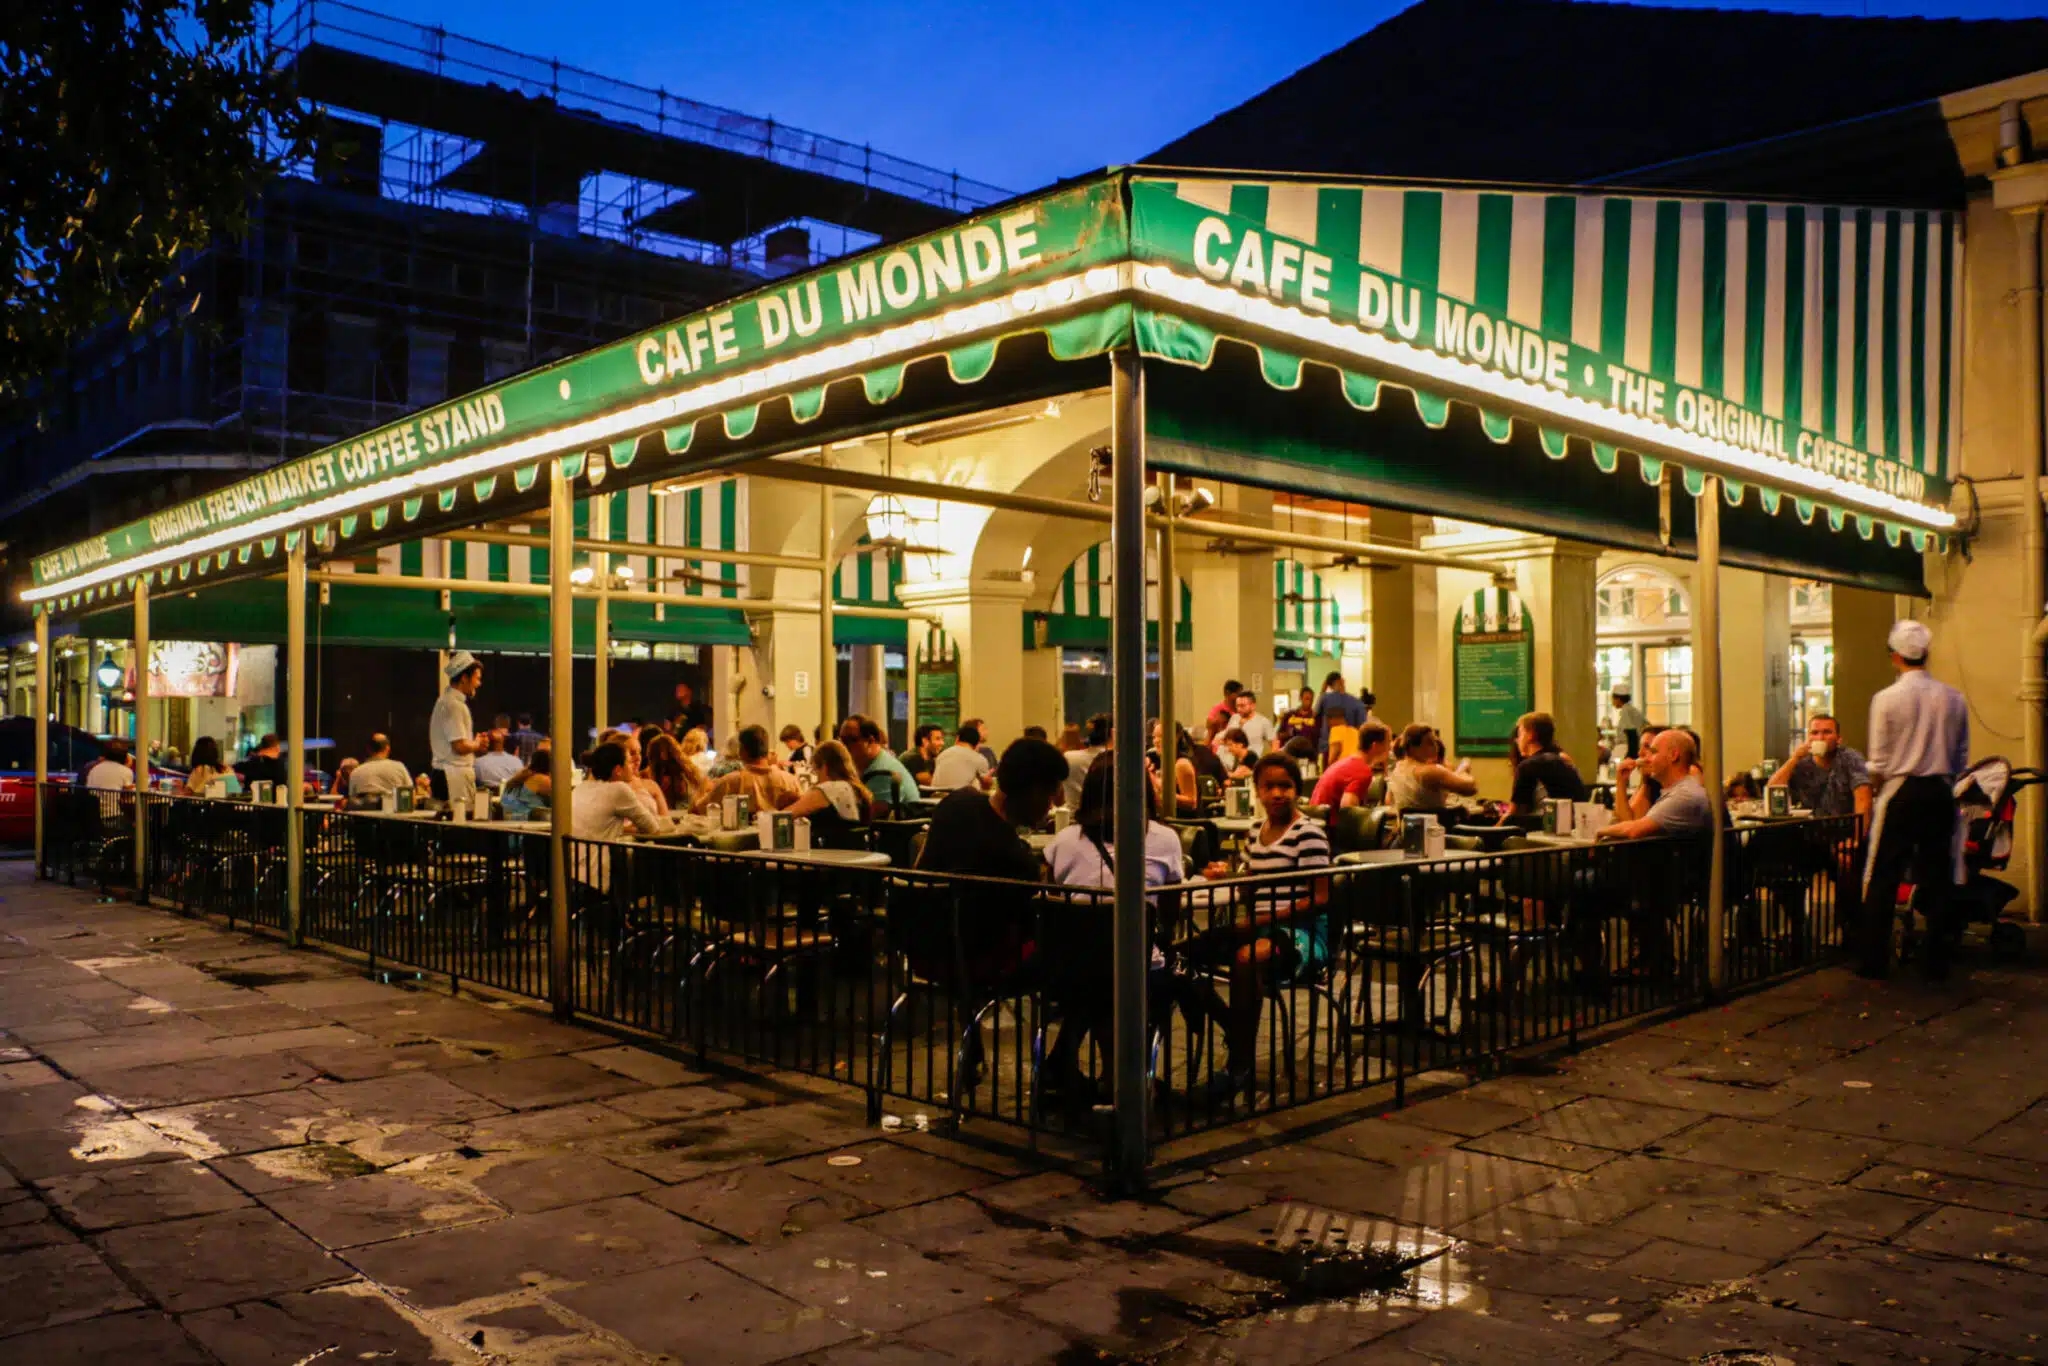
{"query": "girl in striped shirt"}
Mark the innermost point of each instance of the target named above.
(1280, 928)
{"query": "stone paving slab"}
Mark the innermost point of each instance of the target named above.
(214, 1150)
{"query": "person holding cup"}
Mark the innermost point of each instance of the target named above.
(1825, 776)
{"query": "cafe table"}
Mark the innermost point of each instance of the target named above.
(837, 858)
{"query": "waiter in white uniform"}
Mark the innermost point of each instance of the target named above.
(1919, 742)
(452, 734)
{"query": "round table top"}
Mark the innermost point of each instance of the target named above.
(844, 858)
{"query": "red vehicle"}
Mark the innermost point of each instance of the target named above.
(71, 750)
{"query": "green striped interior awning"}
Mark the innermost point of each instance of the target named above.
(1082, 604)
(869, 576)
(1304, 613)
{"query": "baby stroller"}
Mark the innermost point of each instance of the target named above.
(1988, 796)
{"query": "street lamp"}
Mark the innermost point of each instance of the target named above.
(109, 673)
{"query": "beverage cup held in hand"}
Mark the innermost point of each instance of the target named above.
(1818, 749)
(1778, 801)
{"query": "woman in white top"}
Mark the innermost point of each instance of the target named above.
(836, 799)
(1084, 855)
(649, 790)
(1419, 781)
(603, 807)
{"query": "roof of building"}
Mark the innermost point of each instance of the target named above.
(1568, 91)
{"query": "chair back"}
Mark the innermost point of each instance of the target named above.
(1356, 827)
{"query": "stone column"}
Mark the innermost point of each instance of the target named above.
(985, 620)
(1756, 692)
(1233, 613)
(1390, 603)
(1555, 580)
(1863, 668)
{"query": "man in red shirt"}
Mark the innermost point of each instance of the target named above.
(1224, 712)
(1344, 783)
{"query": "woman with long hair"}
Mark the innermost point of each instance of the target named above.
(1186, 798)
(1419, 781)
(678, 780)
(697, 749)
(836, 800)
(206, 766)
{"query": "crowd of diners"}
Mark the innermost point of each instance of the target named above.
(1326, 753)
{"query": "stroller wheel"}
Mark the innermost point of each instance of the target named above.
(2008, 941)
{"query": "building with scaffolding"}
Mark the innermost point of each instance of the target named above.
(466, 213)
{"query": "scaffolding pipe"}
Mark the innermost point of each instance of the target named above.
(1169, 607)
(828, 648)
(1090, 512)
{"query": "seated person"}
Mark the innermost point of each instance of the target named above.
(206, 766)
(1185, 797)
(796, 749)
(836, 801)
(1236, 756)
(1419, 781)
(1682, 806)
(962, 763)
(1826, 776)
(527, 790)
(890, 787)
(758, 776)
(976, 832)
(918, 759)
(605, 806)
(1084, 855)
(495, 765)
(1742, 788)
(1279, 928)
(1542, 771)
(378, 773)
(1346, 782)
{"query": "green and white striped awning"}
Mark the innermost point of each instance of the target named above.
(1808, 350)
(869, 576)
(1491, 611)
(1304, 613)
(1082, 602)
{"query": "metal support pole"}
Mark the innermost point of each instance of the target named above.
(828, 647)
(601, 636)
(141, 734)
(561, 728)
(42, 728)
(1169, 607)
(2032, 825)
(1132, 957)
(1706, 673)
(295, 741)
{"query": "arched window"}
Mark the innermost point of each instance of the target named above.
(1639, 598)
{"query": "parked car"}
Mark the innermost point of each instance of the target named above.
(71, 751)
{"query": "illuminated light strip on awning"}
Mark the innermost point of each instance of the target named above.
(978, 320)
(1623, 428)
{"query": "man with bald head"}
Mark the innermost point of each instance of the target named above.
(1682, 806)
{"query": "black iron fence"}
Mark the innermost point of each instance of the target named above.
(992, 1000)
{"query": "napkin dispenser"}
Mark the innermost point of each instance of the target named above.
(1421, 835)
(1237, 802)
(736, 811)
(1557, 816)
(1778, 800)
(778, 831)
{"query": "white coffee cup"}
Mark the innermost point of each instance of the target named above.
(1817, 748)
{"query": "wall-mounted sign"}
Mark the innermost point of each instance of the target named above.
(1493, 671)
(938, 683)
(191, 668)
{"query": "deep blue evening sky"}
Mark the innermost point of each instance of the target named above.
(1017, 95)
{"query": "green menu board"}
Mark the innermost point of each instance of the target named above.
(938, 684)
(1493, 671)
